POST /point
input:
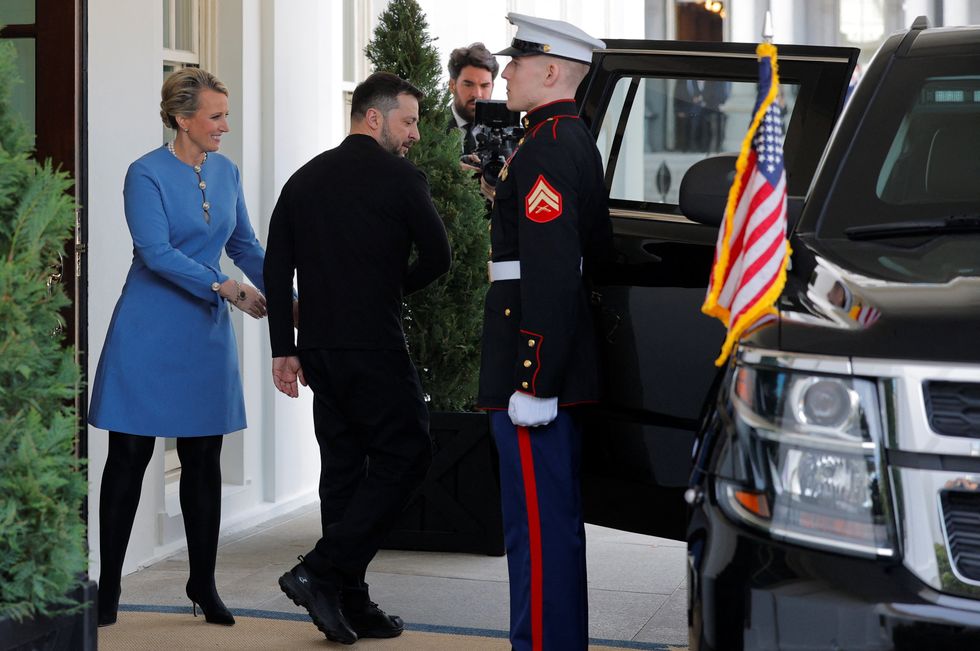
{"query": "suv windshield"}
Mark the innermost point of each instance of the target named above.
(908, 193)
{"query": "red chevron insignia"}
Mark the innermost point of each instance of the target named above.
(543, 202)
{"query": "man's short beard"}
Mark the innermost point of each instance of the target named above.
(463, 111)
(388, 143)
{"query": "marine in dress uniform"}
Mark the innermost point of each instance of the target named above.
(549, 225)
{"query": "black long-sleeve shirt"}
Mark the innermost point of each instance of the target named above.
(346, 223)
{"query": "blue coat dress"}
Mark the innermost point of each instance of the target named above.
(169, 366)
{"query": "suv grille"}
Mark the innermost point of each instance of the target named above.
(961, 512)
(953, 408)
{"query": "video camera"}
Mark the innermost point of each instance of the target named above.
(497, 132)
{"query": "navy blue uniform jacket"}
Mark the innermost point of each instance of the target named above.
(550, 213)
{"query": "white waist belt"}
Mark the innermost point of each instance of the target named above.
(510, 270)
(507, 270)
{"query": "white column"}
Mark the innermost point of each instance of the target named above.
(956, 12)
(124, 76)
(301, 116)
(916, 8)
(746, 24)
(782, 21)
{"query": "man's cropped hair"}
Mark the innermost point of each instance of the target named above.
(476, 55)
(380, 91)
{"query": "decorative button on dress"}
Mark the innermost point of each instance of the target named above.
(169, 366)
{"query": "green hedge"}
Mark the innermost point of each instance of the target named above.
(42, 484)
(443, 323)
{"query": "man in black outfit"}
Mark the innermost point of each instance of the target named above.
(346, 223)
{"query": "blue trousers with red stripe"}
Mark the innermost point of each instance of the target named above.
(544, 533)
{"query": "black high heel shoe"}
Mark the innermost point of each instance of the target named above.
(215, 611)
(108, 606)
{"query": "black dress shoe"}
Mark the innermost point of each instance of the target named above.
(321, 600)
(215, 611)
(374, 622)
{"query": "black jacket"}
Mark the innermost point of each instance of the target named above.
(346, 223)
(550, 213)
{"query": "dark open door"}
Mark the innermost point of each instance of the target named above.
(656, 108)
(48, 35)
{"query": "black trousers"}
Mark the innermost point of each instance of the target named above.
(372, 426)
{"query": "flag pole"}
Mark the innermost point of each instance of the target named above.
(747, 279)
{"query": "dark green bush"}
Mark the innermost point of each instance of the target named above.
(444, 321)
(42, 483)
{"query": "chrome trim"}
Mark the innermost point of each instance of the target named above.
(942, 521)
(902, 381)
(724, 55)
(917, 495)
(794, 361)
(623, 213)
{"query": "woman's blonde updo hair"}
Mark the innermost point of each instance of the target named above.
(180, 93)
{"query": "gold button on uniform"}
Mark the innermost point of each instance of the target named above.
(207, 205)
(507, 312)
(527, 363)
(202, 185)
(524, 385)
(530, 342)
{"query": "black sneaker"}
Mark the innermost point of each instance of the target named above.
(371, 621)
(321, 600)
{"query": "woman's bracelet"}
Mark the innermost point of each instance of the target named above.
(239, 294)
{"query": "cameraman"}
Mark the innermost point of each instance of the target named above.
(472, 70)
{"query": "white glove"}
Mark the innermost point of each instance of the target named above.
(527, 411)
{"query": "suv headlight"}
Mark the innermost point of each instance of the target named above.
(810, 445)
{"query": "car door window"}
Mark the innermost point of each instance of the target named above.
(657, 127)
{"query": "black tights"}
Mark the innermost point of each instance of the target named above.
(200, 502)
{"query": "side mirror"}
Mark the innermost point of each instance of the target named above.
(704, 189)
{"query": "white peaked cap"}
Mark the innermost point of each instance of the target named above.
(552, 37)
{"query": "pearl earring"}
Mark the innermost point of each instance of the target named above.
(185, 130)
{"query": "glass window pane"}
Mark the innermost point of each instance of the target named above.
(933, 155)
(166, 24)
(22, 96)
(184, 27)
(17, 12)
(672, 124)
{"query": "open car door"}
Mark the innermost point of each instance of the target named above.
(656, 108)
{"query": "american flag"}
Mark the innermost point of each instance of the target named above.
(752, 252)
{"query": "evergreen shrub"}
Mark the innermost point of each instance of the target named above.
(42, 483)
(444, 321)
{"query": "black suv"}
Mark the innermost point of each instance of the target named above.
(825, 479)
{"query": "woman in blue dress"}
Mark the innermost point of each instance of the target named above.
(169, 366)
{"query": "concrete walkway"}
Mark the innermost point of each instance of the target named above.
(637, 594)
